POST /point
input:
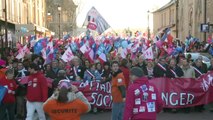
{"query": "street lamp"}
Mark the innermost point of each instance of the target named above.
(148, 25)
(59, 17)
(6, 31)
(2, 41)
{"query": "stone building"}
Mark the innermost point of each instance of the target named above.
(28, 14)
(186, 19)
(165, 17)
(67, 14)
(192, 15)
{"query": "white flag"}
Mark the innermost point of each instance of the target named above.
(95, 21)
(68, 55)
(148, 54)
(85, 48)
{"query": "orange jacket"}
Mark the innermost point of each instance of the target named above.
(117, 80)
(65, 111)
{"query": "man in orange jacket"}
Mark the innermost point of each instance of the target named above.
(67, 103)
(118, 92)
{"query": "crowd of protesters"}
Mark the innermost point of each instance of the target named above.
(22, 99)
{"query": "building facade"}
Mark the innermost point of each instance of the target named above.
(184, 17)
(29, 13)
(165, 17)
(62, 21)
(192, 15)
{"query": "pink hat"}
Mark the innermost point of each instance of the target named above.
(2, 62)
(64, 83)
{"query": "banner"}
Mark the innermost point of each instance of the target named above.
(175, 93)
(99, 95)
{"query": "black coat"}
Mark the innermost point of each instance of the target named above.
(80, 71)
(158, 72)
(197, 74)
(52, 74)
(178, 71)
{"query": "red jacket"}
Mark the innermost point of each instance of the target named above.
(37, 89)
(143, 101)
(11, 87)
(125, 71)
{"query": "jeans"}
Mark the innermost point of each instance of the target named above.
(7, 110)
(117, 111)
(31, 107)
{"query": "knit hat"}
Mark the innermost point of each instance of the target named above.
(64, 83)
(137, 72)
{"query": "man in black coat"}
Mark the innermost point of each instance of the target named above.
(160, 68)
(173, 70)
(77, 69)
(20, 91)
(54, 70)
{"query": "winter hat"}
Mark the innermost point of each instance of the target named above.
(64, 83)
(137, 72)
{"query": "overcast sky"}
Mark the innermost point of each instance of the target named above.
(121, 14)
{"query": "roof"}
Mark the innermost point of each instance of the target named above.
(165, 6)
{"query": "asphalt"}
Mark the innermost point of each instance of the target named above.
(206, 115)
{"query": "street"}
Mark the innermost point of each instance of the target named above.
(162, 116)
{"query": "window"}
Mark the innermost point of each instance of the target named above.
(12, 10)
(164, 21)
(65, 17)
(161, 20)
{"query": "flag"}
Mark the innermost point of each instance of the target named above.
(85, 48)
(68, 55)
(49, 53)
(32, 40)
(90, 55)
(94, 21)
(22, 52)
(148, 54)
(102, 58)
(166, 33)
(39, 45)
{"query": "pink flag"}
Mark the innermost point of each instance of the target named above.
(68, 55)
(22, 52)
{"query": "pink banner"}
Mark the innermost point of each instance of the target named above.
(176, 93)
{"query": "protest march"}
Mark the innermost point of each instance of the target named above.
(133, 76)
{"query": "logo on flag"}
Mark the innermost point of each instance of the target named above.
(95, 21)
(148, 54)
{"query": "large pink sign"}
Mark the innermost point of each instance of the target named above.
(176, 93)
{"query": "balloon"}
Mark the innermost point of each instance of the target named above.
(124, 44)
(179, 49)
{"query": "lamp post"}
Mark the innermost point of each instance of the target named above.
(59, 20)
(6, 31)
(1, 35)
(148, 25)
(48, 19)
